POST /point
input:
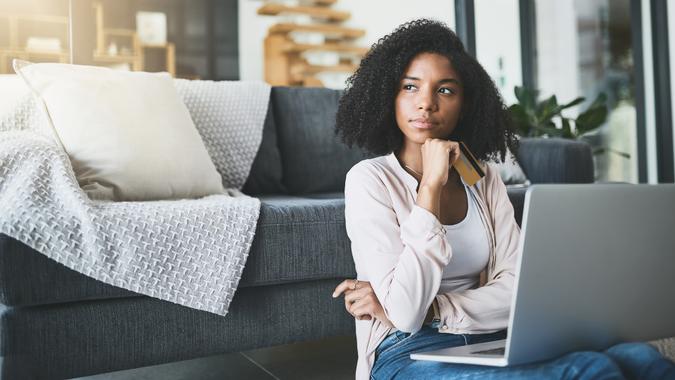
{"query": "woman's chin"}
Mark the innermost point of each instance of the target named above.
(421, 136)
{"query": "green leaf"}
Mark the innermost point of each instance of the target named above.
(603, 149)
(520, 93)
(547, 109)
(550, 129)
(591, 120)
(566, 129)
(594, 116)
(600, 100)
(573, 103)
(526, 97)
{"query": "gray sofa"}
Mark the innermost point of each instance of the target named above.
(57, 323)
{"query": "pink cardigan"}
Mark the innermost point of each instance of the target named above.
(401, 248)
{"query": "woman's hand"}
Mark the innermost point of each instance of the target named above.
(361, 301)
(438, 155)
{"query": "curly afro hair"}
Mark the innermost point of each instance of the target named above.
(366, 115)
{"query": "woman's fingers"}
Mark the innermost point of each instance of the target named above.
(363, 300)
(344, 286)
(340, 288)
(362, 308)
(454, 152)
(350, 285)
(360, 300)
(437, 157)
(353, 295)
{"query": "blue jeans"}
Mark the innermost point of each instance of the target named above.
(623, 361)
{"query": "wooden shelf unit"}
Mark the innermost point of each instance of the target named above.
(285, 64)
(325, 3)
(15, 49)
(292, 47)
(137, 57)
(274, 9)
(325, 29)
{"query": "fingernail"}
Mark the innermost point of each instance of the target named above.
(334, 295)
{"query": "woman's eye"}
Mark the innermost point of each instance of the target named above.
(446, 90)
(408, 87)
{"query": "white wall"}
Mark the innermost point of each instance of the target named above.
(378, 18)
(252, 31)
(558, 56)
(498, 38)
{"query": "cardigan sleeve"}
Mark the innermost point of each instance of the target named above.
(403, 261)
(486, 309)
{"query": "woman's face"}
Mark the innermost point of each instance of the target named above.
(429, 99)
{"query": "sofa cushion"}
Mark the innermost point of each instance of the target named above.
(28, 277)
(266, 172)
(85, 338)
(314, 159)
(297, 239)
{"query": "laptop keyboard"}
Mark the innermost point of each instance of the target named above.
(494, 351)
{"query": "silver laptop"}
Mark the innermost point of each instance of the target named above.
(597, 268)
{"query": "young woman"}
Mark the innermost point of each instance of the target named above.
(435, 257)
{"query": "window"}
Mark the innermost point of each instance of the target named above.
(498, 43)
(584, 48)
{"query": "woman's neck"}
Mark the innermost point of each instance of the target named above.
(410, 157)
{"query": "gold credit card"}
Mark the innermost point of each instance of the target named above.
(467, 166)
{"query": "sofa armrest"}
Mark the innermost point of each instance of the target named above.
(556, 160)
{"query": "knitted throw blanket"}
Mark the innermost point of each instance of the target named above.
(190, 252)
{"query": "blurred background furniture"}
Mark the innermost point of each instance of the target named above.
(286, 63)
(107, 51)
(50, 46)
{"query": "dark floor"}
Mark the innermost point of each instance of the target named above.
(333, 358)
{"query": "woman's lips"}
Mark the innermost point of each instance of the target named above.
(422, 124)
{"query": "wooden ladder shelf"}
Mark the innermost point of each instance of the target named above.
(285, 64)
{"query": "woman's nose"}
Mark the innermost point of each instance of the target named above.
(426, 101)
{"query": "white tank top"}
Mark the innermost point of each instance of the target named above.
(470, 250)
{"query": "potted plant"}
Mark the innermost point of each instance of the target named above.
(535, 118)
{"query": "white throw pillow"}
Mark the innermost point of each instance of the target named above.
(128, 134)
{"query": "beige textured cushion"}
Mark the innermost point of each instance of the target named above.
(128, 134)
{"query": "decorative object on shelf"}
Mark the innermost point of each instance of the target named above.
(50, 48)
(109, 44)
(112, 49)
(45, 44)
(151, 28)
(291, 60)
(127, 47)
